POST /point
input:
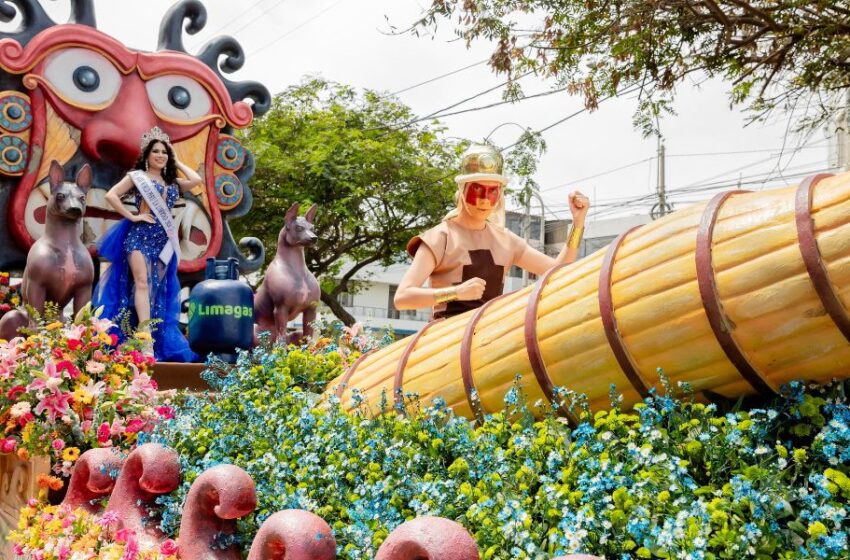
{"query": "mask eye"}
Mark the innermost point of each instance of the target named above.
(178, 97)
(82, 76)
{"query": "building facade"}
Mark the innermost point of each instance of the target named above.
(372, 304)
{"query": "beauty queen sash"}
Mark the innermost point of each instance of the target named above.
(160, 209)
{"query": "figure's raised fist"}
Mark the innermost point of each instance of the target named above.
(471, 290)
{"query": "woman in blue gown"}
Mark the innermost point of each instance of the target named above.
(143, 250)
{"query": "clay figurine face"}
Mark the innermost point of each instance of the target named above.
(68, 199)
(299, 229)
(482, 197)
(158, 157)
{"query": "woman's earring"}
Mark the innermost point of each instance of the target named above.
(146, 165)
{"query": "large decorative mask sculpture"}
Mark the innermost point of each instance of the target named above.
(76, 95)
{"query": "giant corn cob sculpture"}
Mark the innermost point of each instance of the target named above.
(737, 296)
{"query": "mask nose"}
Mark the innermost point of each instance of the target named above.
(114, 134)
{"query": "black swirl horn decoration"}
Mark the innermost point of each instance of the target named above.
(171, 38)
(171, 29)
(35, 20)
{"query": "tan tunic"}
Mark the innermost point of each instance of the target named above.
(462, 254)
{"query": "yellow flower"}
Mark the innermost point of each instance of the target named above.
(82, 396)
(26, 433)
(817, 529)
(70, 454)
(54, 325)
(144, 335)
(104, 338)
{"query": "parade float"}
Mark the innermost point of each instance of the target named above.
(591, 431)
(737, 296)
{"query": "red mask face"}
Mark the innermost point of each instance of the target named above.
(477, 191)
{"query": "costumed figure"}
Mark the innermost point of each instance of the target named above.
(144, 249)
(466, 257)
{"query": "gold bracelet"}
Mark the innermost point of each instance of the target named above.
(443, 295)
(574, 239)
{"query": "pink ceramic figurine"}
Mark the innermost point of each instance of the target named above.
(93, 479)
(294, 534)
(216, 499)
(429, 538)
(150, 470)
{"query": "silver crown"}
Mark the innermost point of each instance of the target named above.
(154, 134)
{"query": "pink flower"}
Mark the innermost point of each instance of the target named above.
(135, 425)
(94, 367)
(58, 444)
(85, 426)
(117, 427)
(108, 518)
(25, 419)
(56, 405)
(101, 325)
(8, 445)
(103, 433)
(165, 411)
(141, 386)
(123, 535)
(131, 550)
(18, 549)
(68, 366)
(168, 547)
(74, 344)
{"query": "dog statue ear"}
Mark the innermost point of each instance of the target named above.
(291, 214)
(311, 213)
(84, 176)
(56, 175)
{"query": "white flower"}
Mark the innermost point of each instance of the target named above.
(19, 409)
(94, 367)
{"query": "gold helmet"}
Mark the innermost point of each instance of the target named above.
(481, 162)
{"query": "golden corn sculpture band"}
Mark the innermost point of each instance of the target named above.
(737, 296)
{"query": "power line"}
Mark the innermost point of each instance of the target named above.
(436, 78)
(594, 176)
(245, 11)
(258, 16)
(297, 27)
(737, 152)
(607, 209)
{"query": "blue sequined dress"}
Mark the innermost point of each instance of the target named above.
(116, 289)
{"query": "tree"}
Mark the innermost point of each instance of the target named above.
(776, 53)
(377, 179)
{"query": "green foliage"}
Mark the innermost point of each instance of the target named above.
(671, 479)
(378, 180)
(775, 53)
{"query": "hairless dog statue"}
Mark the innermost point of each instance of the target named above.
(289, 288)
(59, 267)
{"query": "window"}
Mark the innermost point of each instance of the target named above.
(346, 299)
(392, 312)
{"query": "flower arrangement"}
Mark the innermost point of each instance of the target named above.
(672, 479)
(10, 296)
(68, 388)
(48, 532)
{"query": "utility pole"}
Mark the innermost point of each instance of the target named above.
(527, 228)
(842, 135)
(661, 208)
(526, 233)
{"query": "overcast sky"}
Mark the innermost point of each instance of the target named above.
(349, 41)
